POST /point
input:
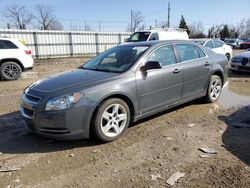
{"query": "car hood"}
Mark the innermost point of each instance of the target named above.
(69, 79)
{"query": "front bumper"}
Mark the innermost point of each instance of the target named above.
(69, 124)
(240, 67)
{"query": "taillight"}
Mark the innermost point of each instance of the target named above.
(28, 52)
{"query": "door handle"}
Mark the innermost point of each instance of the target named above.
(207, 64)
(176, 71)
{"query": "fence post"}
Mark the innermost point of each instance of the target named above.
(97, 44)
(119, 38)
(71, 45)
(36, 45)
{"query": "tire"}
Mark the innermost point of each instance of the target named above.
(214, 89)
(10, 71)
(111, 120)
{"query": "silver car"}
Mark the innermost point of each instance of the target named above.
(122, 85)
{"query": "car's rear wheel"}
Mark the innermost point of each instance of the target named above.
(10, 71)
(214, 89)
(111, 120)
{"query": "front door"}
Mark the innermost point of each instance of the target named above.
(157, 88)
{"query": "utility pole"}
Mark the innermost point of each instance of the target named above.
(85, 25)
(131, 21)
(168, 15)
(100, 26)
(156, 24)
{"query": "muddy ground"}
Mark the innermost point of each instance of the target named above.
(146, 156)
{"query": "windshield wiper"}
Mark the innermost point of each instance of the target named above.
(104, 70)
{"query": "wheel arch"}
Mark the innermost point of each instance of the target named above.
(123, 97)
(12, 60)
(220, 74)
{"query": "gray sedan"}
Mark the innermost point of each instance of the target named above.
(122, 85)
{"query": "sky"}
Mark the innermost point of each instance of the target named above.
(114, 15)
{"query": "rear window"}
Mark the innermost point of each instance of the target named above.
(5, 44)
(218, 44)
(139, 36)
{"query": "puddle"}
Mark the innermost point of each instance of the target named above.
(235, 93)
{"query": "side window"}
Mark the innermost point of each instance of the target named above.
(209, 44)
(5, 44)
(187, 52)
(201, 53)
(164, 55)
(218, 44)
(154, 36)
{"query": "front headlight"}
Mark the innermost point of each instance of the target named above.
(63, 102)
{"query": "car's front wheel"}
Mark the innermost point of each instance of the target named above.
(111, 120)
(10, 71)
(214, 89)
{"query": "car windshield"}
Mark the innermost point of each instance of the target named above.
(117, 59)
(139, 36)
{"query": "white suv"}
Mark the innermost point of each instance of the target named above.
(15, 58)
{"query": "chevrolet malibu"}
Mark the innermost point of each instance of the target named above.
(122, 85)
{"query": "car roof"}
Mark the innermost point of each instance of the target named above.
(205, 39)
(155, 42)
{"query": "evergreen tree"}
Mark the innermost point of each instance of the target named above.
(183, 24)
(225, 33)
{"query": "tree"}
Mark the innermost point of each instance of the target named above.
(46, 18)
(214, 31)
(18, 16)
(196, 30)
(183, 24)
(225, 33)
(136, 21)
(238, 29)
(55, 25)
(246, 32)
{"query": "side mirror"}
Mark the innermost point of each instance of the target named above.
(126, 40)
(150, 65)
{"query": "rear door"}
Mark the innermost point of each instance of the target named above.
(195, 69)
(157, 88)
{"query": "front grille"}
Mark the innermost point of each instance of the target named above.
(28, 112)
(244, 68)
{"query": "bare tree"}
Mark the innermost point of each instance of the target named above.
(196, 30)
(214, 31)
(55, 25)
(136, 21)
(238, 29)
(246, 32)
(18, 16)
(46, 18)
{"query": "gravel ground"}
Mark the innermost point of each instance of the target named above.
(146, 156)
